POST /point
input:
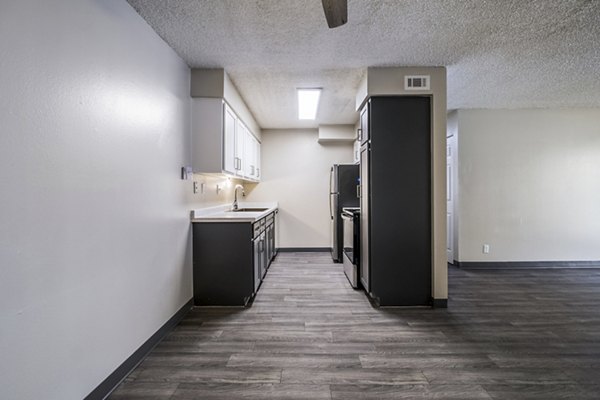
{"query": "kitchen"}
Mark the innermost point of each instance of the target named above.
(223, 144)
(97, 238)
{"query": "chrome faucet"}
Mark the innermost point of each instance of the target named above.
(234, 207)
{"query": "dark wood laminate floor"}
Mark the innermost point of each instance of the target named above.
(507, 334)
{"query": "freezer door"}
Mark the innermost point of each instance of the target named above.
(347, 180)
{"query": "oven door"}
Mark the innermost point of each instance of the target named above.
(350, 268)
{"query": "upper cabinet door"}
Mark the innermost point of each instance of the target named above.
(364, 124)
(229, 161)
(250, 153)
(240, 138)
(246, 152)
(257, 159)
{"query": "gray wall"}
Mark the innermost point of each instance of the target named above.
(94, 232)
(529, 184)
(296, 174)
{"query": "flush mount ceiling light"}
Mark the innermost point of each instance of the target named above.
(308, 102)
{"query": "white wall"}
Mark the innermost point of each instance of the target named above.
(529, 183)
(94, 232)
(296, 174)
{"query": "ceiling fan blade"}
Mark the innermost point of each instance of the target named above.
(336, 12)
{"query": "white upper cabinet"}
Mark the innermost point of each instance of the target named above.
(223, 128)
(229, 142)
(240, 144)
(257, 158)
(250, 155)
(221, 142)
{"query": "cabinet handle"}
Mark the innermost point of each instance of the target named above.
(358, 191)
(359, 133)
(258, 172)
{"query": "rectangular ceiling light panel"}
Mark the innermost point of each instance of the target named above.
(308, 102)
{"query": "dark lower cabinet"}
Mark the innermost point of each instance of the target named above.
(270, 238)
(223, 264)
(230, 259)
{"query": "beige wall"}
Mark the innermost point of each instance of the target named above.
(208, 195)
(296, 174)
(529, 184)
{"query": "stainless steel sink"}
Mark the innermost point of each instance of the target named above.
(249, 210)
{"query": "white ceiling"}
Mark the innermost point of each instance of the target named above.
(499, 53)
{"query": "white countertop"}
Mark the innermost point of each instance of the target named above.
(223, 212)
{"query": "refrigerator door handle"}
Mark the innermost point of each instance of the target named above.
(333, 177)
(330, 210)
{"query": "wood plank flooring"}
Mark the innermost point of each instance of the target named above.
(507, 334)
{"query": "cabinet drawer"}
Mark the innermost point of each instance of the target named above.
(270, 218)
(257, 229)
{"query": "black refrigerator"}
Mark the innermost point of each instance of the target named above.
(395, 224)
(343, 192)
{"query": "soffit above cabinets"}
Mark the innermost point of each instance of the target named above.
(337, 133)
(499, 54)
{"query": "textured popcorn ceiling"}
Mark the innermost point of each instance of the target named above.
(499, 53)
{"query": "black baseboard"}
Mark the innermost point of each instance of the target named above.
(439, 303)
(113, 380)
(525, 264)
(304, 249)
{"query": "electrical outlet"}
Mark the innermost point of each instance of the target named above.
(186, 173)
(486, 249)
(195, 187)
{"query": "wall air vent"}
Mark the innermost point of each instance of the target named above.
(417, 82)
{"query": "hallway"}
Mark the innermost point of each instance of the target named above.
(507, 334)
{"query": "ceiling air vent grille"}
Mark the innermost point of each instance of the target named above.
(417, 82)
